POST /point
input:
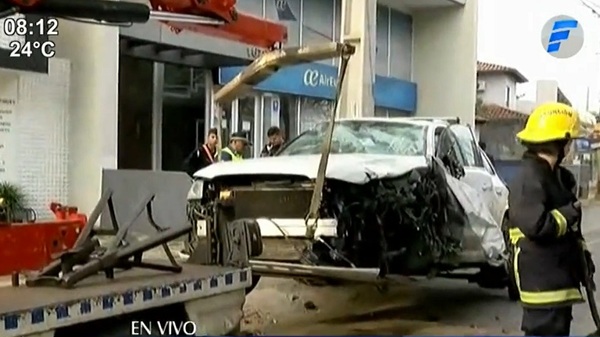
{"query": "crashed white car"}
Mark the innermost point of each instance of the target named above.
(403, 196)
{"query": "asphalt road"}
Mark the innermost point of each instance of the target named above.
(421, 307)
(458, 303)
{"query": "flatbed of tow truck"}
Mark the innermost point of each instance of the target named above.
(38, 310)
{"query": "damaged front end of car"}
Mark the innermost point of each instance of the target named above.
(414, 223)
(404, 225)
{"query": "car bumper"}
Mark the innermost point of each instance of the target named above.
(285, 239)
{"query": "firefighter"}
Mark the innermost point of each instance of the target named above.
(545, 218)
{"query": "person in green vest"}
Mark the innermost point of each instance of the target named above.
(235, 150)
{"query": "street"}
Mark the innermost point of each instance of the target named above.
(418, 307)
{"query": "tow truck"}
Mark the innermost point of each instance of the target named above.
(91, 275)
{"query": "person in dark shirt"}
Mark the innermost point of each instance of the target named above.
(203, 155)
(237, 144)
(275, 142)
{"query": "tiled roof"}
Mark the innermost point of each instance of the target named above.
(484, 67)
(494, 112)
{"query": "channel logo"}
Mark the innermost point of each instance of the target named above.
(562, 37)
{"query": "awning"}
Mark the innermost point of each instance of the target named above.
(198, 45)
(165, 53)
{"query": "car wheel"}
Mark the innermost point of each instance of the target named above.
(511, 286)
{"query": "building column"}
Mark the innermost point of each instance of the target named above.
(93, 108)
(359, 29)
(445, 61)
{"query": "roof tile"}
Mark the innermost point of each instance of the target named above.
(494, 112)
(485, 67)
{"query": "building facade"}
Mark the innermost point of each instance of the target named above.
(141, 97)
(545, 91)
(498, 119)
(497, 84)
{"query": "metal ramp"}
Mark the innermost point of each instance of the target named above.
(136, 196)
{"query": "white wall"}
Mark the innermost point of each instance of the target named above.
(495, 90)
(546, 91)
(33, 138)
(525, 106)
(445, 61)
(93, 112)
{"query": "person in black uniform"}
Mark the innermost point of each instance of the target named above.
(545, 218)
(203, 155)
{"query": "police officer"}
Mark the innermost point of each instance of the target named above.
(235, 150)
(544, 223)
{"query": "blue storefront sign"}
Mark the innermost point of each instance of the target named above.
(319, 81)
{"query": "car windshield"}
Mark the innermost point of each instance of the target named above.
(369, 137)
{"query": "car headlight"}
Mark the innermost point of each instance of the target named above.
(195, 192)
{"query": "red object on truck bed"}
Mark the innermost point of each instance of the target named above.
(31, 246)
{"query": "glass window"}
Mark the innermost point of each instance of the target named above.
(467, 144)
(317, 25)
(382, 46)
(286, 12)
(401, 44)
(507, 97)
(337, 24)
(487, 164)
(226, 127)
(447, 146)
(281, 111)
(369, 137)
(246, 120)
(314, 111)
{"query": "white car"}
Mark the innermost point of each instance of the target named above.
(406, 196)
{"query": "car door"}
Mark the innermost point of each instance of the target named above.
(447, 149)
(475, 173)
(499, 188)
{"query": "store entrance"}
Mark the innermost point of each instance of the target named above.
(184, 101)
(182, 130)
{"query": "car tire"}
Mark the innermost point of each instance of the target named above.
(511, 286)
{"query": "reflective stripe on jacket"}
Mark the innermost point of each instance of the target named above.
(234, 156)
(546, 252)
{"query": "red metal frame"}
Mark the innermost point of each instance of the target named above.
(31, 246)
(239, 27)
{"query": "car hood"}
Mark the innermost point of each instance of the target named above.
(352, 168)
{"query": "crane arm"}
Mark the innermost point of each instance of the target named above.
(267, 65)
(210, 17)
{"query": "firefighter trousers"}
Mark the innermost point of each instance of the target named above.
(547, 321)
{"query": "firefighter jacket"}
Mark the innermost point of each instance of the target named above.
(544, 231)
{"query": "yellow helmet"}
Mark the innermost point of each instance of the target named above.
(549, 122)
